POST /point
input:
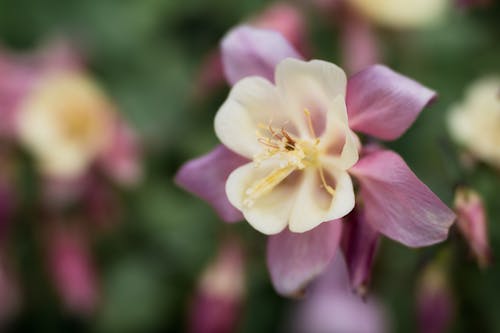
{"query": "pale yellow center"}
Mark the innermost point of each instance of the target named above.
(292, 153)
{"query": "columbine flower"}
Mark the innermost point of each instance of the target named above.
(289, 152)
(64, 121)
(475, 122)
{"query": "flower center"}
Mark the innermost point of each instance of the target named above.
(292, 154)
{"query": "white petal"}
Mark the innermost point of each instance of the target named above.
(337, 132)
(312, 85)
(270, 213)
(314, 205)
(252, 101)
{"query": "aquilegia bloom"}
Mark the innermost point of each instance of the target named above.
(290, 151)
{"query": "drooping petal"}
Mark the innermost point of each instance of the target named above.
(314, 205)
(206, 177)
(398, 204)
(359, 244)
(311, 86)
(269, 212)
(383, 103)
(252, 104)
(248, 51)
(294, 259)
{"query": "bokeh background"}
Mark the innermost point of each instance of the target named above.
(148, 55)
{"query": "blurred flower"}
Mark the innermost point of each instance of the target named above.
(18, 74)
(475, 123)
(217, 304)
(402, 13)
(332, 308)
(298, 175)
(65, 122)
(473, 224)
(71, 268)
(435, 304)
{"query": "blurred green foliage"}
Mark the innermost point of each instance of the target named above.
(147, 54)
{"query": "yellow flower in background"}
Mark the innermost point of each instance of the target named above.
(65, 122)
(476, 122)
(402, 13)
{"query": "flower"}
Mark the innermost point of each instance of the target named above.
(290, 152)
(298, 176)
(473, 224)
(64, 122)
(475, 123)
(217, 304)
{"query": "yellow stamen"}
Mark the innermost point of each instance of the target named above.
(266, 184)
(309, 123)
(327, 187)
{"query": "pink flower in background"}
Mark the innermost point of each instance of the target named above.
(60, 115)
(72, 269)
(332, 308)
(290, 154)
(216, 306)
(473, 223)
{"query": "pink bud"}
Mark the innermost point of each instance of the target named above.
(435, 306)
(472, 223)
(121, 158)
(217, 304)
(72, 269)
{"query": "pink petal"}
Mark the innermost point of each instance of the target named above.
(383, 103)
(294, 259)
(121, 159)
(331, 307)
(398, 204)
(248, 51)
(206, 177)
(359, 244)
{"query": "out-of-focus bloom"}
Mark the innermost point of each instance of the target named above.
(65, 122)
(435, 304)
(18, 73)
(402, 13)
(298, 132)
(218, 301)
(72, 270)
(331, 307)
(475, 123)
(473, 224)
(50, 105)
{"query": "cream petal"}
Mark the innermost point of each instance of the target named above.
(337, 132)
(253, 101)
(269, 213)
(312, 85)
(314, 205)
